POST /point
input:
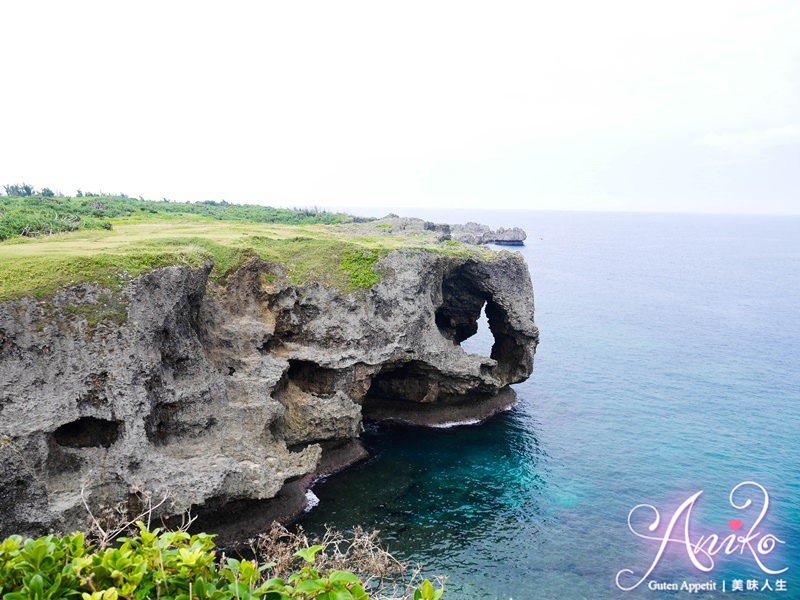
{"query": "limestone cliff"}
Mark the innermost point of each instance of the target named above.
(228, 394)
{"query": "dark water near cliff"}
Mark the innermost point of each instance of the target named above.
(668, 364)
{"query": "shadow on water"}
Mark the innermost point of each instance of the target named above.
(427, 488)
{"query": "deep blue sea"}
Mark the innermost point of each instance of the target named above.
(669, 363)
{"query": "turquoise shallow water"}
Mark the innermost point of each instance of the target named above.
(668, 364)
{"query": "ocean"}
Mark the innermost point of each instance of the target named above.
(668, 365)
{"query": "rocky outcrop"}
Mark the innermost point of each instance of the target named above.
(475, 233)
(392, 224)
(230, 396)
(470, 233)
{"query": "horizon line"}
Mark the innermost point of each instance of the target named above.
(390, 209)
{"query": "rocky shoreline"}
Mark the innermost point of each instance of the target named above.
(232, 397)
(235, 522)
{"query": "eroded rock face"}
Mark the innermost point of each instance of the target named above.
(225, 395)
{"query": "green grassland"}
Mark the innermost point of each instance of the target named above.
(43, 215)
(112, 239)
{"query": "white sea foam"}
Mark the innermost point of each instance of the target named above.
(449, 424)
(311, 500)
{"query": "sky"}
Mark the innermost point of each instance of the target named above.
(678, 106)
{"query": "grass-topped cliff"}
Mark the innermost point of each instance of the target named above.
(49, 242)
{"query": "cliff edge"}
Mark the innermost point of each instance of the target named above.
(229, 394)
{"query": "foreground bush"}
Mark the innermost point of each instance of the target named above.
(167, 565)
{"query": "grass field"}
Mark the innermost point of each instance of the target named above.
(37, 214)
(331, 254)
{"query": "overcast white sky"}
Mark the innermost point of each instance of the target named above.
(615, 105)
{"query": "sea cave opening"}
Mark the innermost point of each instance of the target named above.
(410, 381)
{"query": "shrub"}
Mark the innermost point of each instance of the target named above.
(360, 552)
(19, 189)
(359, 265)
(169, 565)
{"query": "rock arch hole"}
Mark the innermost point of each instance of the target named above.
(87, 432)
(464, 315)
(482, 341)
(469, 308)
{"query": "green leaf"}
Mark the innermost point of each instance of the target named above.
(341, 594)
(427, 592)
(344, 576)
(199, 587)
(233, 564)
(308, 554)
(358, 592)
(265, 566)
(310, 586)
(36, 587)
(294, 577)
(274, 582)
